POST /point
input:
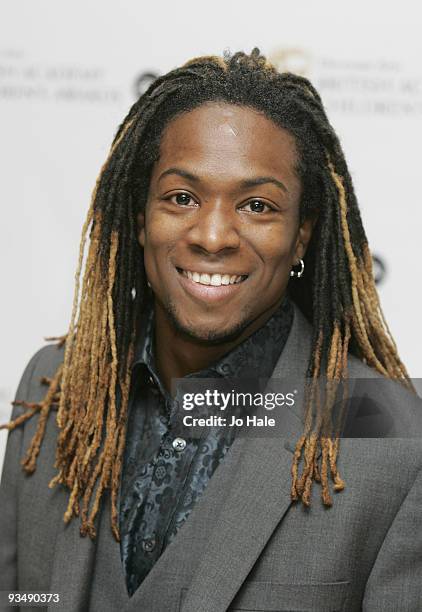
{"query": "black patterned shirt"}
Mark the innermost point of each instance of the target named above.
(160, 484)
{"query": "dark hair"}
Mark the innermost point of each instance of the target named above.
(337, 294)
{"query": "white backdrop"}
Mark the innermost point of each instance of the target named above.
(68, 74)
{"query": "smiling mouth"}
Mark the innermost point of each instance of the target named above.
(213, 280)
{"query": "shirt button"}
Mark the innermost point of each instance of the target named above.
(179, 444)
(148, 544)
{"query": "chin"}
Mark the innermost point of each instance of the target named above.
(207, 333)
(216, 336)
(210, 334)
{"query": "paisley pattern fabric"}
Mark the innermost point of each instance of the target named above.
(160, 485)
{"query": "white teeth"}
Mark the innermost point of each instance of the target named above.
(212, 279)
(205, 279)
(215, 280)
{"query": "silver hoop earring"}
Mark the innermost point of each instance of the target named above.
(299, 273)
(148, 283)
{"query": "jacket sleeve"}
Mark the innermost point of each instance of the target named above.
(395, 582)
(11, 475)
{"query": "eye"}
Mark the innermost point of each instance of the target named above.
(182, 199)
(257, 206)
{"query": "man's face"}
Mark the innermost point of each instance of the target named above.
(224, 201)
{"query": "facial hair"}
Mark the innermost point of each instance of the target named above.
(212, 337)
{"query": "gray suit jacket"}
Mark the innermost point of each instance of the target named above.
(245, 546)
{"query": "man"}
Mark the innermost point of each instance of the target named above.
(225, 241)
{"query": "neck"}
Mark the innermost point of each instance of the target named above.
(178, 354)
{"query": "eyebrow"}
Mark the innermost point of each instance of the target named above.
(245, 183)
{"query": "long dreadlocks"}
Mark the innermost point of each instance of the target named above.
(337, 294)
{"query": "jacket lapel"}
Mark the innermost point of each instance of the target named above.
(256, 495)
(258, 498)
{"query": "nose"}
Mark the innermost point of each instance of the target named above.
(215, 228)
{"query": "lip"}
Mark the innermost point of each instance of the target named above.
(208, 293)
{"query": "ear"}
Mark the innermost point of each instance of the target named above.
(303, 237)
(140, 222)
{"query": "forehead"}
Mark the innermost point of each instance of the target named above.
(228, 139)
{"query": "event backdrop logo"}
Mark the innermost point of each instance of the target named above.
(142, 82)
(293, 59)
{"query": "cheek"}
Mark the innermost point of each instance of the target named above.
(160, 238)
(159, 233)
(275, 247)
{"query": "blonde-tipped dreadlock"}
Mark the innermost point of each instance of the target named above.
(337, 294)
(366, 322)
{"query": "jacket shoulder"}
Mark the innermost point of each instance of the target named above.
(380, 406)
(43, 363)
(359, 369)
